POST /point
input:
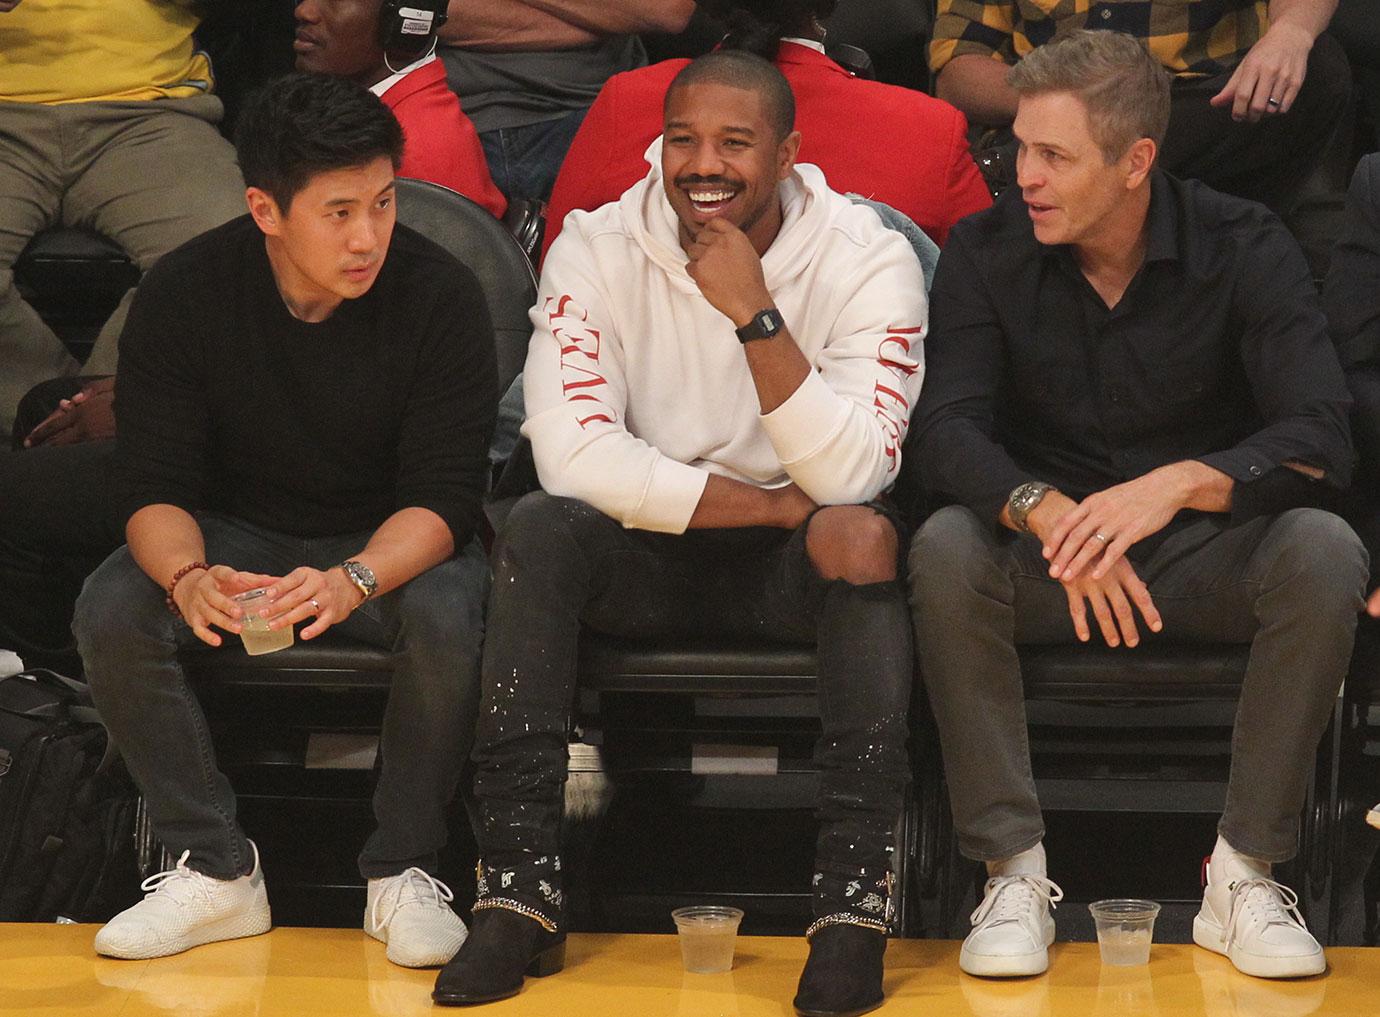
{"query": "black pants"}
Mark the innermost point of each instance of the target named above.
(59, 519)
(1265, 161)
(561, 564)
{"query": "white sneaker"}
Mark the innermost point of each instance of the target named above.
(184, 908)
(411, 913)
(1373, 817)
(1256, 923)
(1012, 927)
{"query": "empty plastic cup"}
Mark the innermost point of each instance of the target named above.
(258, 637)
(1125, 929)
(707, 935)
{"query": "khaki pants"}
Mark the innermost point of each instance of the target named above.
(149, 175)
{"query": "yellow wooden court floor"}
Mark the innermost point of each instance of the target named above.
(50, 971)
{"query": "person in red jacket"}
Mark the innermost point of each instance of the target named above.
(884, 142)
(390, 50)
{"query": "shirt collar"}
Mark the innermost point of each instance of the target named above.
(388, 82)
(818, 47)
(1162, 220)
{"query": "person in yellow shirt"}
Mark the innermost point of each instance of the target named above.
(107, 121)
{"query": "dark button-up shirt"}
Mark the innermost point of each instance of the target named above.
(1217, 351)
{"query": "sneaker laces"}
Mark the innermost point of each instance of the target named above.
(1010, 898)
(421, 884)
(178, 878)
(1267, 901)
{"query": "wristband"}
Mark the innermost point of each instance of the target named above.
(177, 578)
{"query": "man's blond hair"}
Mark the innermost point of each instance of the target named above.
(1125, 89)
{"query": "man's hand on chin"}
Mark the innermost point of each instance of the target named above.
(728, 271)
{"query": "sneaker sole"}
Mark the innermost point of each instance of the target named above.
(1209, 937)
(1004, 965)
(240, 927)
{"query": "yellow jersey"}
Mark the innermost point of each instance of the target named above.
(54, 51)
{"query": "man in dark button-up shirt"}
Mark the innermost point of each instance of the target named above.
(1133, 403)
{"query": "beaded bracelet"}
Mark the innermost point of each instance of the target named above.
(177, 578)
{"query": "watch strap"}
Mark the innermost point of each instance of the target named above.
(764, 324)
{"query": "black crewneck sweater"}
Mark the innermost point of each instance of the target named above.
(226, 402)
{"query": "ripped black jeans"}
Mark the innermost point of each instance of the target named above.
(561, 564)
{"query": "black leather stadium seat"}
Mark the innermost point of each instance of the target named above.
(74, 278)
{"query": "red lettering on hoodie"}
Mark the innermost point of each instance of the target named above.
(579, 344)
(890, 405)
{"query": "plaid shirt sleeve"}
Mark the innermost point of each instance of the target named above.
(1191, 38)
(980, 27)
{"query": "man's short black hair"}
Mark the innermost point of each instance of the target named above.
(738, 69)
(304, 124)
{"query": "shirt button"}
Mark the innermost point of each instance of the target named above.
(1256, 471)
(1106, 14)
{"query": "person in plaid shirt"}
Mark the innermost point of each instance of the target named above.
(1257, 85)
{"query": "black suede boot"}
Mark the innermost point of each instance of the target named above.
(502, 946)
(843, 977)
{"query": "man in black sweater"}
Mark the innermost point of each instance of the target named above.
(305, 401)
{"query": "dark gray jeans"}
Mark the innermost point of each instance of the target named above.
(434, 625)
(1289, 585)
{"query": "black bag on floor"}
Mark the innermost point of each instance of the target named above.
(67, 807)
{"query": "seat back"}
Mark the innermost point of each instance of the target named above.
(483, 245)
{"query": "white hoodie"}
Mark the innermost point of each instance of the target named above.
(637, 388)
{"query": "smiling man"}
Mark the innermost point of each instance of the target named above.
(1134, 403)
(305, 400)
(718, 386)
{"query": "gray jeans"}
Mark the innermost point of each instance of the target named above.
(1289, 585)
(434, 625)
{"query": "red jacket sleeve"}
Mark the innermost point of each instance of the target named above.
(967, 190)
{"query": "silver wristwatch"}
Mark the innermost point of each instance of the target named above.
(1023, 500)
(362, 576)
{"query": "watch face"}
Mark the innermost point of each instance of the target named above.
(362, 575)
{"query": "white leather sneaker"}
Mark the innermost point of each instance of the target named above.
(411, 913)
(1256, 923)
(1012, 927)
(184, 908)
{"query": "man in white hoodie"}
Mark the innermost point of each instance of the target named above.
(701, 481)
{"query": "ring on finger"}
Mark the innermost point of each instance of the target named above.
(315, 606)
(1272, 102)
(1100, 536)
